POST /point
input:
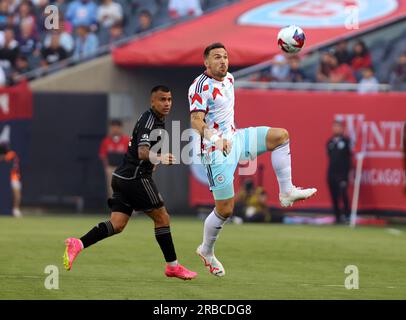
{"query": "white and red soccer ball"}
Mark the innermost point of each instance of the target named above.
(291, 39)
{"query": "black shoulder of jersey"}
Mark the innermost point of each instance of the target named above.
(145, 116)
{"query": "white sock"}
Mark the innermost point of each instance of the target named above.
(212, 227)
(282, 166)
(173, 263)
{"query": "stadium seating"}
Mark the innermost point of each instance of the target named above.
(13, 19)
(385, 47)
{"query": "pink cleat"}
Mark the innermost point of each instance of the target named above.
(73, 247)
(180, 272)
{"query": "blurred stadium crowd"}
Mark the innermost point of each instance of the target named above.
(345, 64)
(84, 27)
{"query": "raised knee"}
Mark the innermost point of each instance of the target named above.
(283, 136)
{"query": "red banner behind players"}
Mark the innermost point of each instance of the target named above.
(308, 118)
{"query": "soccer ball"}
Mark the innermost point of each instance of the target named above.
(291, 39)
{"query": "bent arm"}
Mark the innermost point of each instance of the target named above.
(198, 123)
(145, 154)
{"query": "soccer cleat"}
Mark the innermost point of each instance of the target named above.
(73, 247)
(296, 194)
(180, 272)
(211, 263)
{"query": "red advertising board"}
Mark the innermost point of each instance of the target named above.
(308, 118)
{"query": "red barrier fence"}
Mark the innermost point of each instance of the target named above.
(308, 117)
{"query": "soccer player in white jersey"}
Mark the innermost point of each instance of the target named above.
(211, 99)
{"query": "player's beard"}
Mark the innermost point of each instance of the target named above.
(221, 73)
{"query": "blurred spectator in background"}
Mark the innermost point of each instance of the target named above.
(182, 8)
(27, 40)
(109, 13)
(340, 73)
(279, 68)
(324, 68)
(61, 4)
(257, 209)
(144, 22)
(54, 52)
(368, 83)
(112, 150)
(65, 37)
(361, 58)
(252, 204)
(397, 77)
(21, 66)
(9, 49)
(341, 52)
(15, 180)
(39, 12)
(116, 33)
(25, 16)
(11, 23)
(296, 74)
(3, 14)
(82, 13)
(245, 192)
(340, 162)
(86, 43)
(13, 5)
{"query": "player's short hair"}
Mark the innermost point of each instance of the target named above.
(160, 88)
(216, 45)
(116, 122)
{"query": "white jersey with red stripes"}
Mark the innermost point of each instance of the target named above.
(216, 99)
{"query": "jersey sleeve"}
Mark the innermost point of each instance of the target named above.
(198, 98)
(144, 130)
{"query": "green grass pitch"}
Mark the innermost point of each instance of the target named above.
(262, 261)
